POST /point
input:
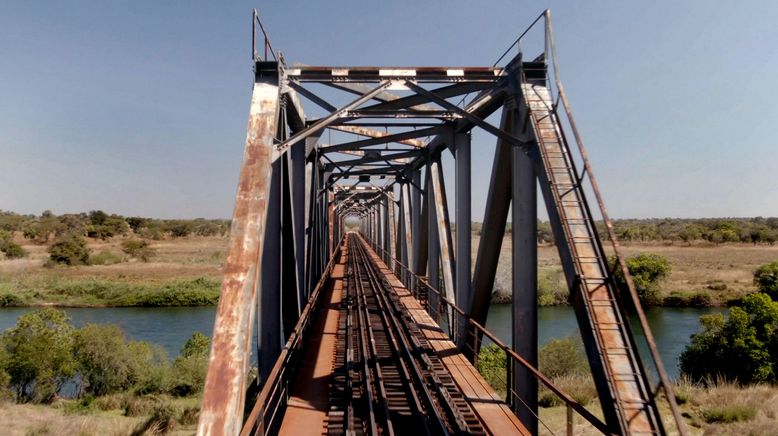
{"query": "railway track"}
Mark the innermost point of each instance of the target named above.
(387, 378)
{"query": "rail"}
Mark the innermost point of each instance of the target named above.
(562, 111)
(264, 415)
(421, 289)
(255, 20)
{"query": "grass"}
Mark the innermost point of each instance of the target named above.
(703, 275)
(185, 272)
(103, 416)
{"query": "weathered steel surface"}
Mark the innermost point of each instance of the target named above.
(525, 277)
(223, 398)
(444, 230)
(463, 218)
(620, 379)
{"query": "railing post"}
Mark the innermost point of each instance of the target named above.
(569, 421)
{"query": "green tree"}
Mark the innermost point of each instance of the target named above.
(743, 347)
(138, 248)
(39, 354)
(69, 250)
(107, 362)
(647, 271)
(190, 367)
(766, 279)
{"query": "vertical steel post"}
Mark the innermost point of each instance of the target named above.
(525, 284)
(444, 233)
(463, 231)
(407, 227)
(269, 331)
(298, 183)
(433, 244)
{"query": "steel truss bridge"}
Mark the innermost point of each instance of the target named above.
(377, 330)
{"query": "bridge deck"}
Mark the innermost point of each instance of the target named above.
(309, 394)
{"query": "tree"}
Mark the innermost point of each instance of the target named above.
(11, 249)
(39, 354)
(190, 367)
(743, 348)
(69, 250)
(107, 362)
(138, 248)
(766, 279)
(647, 271)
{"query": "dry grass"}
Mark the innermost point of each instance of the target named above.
(179, 259)
(725, 272)
(27, 419)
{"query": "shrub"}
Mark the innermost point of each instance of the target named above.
(107, 362)
(191, 365)
(139, 249)
(743, 347)
(552, 287)
(104, 258)
(728, 414)
(647, 270)
(562, 357)
(39, 354)
(13, 250)
(766, 279)
(492, 366)
(69, 250)
(10, 300)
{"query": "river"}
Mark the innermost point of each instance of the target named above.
(170, 327)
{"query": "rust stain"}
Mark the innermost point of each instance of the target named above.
(223, 397)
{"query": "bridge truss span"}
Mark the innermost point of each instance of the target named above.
(366, 154)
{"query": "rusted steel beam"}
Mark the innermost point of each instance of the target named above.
(407, 226)
(498, 202)
(462, 176)
(433, 243)
(324, 122)
(444, 231)
(222, 407)
(524, 278)
(392, 137)
(449, 91)
(375, 74)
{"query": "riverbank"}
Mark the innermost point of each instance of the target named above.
(187, 271)
(703, 275)
(183, 272)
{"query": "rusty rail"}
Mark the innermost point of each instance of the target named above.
(477, 329)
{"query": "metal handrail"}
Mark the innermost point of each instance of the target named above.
(254, 54)
(274, 388)
(509, 352)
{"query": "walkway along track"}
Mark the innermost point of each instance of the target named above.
(387, 378)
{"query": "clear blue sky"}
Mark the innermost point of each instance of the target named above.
(139, 107)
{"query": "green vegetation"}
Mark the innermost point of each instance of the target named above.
(104, 258)
(562, 360)
(11, 249)
(199, 291)
(766, 279)
(647, 271)
(743, 347)
(37, 355)
(138, 249)
(100, 225)
(69, 250)
(43, 351)
(728, 414)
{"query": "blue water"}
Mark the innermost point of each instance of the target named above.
(170, 327)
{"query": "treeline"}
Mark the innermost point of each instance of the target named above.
(757, 230)
(101, 225)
